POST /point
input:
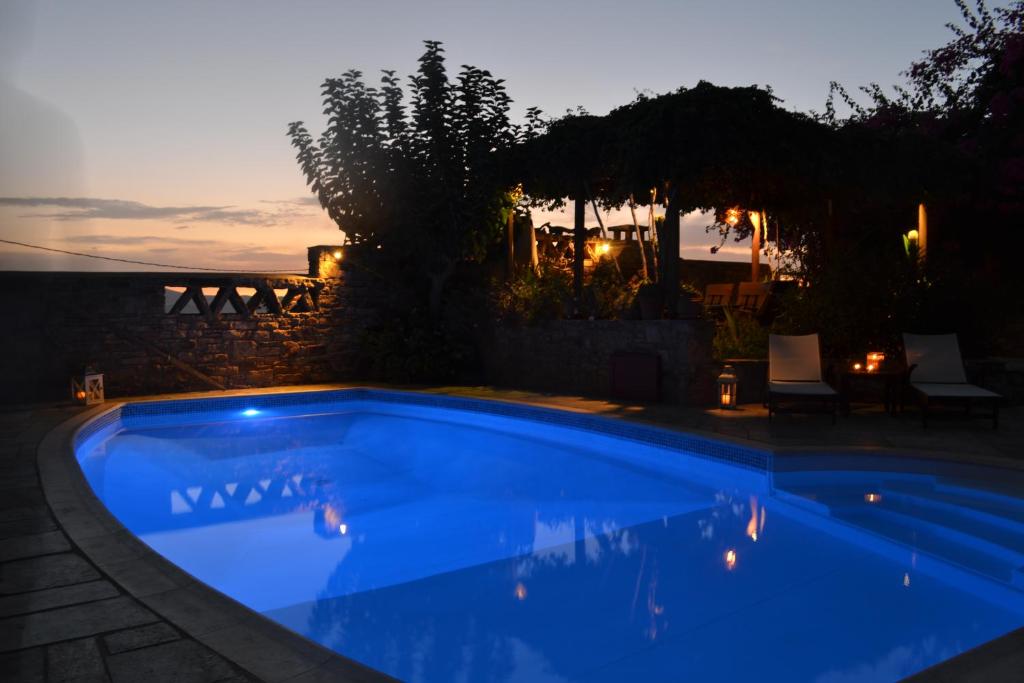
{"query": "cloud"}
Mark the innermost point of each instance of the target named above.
(138, 240)
(300, 201)
(90, 208)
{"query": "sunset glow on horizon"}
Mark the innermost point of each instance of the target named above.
(156, 132)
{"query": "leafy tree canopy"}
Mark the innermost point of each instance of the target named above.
(419, 180)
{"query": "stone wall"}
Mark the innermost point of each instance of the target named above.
(57, 323)
(573, 356)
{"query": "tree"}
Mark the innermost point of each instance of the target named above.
(951, 136)
(421, 186)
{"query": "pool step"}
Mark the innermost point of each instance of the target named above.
(1003, 503)
(950, 505)
(976, 529)
(961, 549)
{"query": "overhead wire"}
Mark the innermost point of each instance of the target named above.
(139, 263)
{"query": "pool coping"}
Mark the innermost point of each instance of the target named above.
(272, 652)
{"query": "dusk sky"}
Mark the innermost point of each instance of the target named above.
(156, 130)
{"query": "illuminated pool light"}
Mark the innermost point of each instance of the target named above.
(250, 412)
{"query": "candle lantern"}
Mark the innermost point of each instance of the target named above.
(87, 389)
(728, 386)
(875, 360)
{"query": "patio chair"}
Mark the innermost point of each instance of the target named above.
(752, 296)
(794, 372)
(719, 296)
(935, 370)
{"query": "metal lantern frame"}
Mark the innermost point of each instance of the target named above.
(88, 390)
(728, 388)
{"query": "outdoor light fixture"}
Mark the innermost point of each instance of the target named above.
(89, 389)
(875, 360)
(913, 236)
(337, 254)
(728, 386)
(732, 217)
(857, 367)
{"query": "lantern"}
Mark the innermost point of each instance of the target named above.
(875, 360)
(89, 389)
(728, 386)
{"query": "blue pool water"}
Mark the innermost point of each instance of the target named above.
(443, 545)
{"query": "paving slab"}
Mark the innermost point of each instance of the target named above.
(75, 660)
(24, 666)
(46, 543)
(65, 623)
(37, 601)
(22, 527)
(183, 661)
(143, 636)
(47, 571)
(30, 497)
(21, 512)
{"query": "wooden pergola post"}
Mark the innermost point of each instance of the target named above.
(579, 241)
(922, 231)
(755, 246)
(510, 249)
(669, 242)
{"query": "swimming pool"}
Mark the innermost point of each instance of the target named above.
(439, 539)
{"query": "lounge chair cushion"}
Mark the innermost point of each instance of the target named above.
(801, 388)
(952, 390)
(936, 358)
(794, 358)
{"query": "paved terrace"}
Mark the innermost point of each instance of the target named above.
(63, 618)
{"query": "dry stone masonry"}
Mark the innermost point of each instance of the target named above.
(118, 323)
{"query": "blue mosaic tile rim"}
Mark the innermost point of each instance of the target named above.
(701, 447)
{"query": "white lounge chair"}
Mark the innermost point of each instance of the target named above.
(935, 370)
(794, 372)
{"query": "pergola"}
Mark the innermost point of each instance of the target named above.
(706, 148)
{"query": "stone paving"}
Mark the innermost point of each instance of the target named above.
(64, 619)
(61, 618)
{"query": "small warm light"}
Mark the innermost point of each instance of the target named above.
(520, 591)
(337, 254)
(876, 358)
(872, 497)
(343, 529)
(80, 395)
(870, 367)
(913, 235)
(732, 217)
(730, 559)
(728, 388)
(249, 412)
(603, 248)
(857, 366)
